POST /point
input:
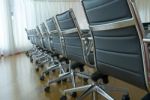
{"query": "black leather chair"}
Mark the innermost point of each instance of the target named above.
(41, 44)
(30, 36)
(55, 36)
(75, 46)
(58, 49)
(46, 37)
(119, 48)
(35, 51)
(39, 56)
(53, 62)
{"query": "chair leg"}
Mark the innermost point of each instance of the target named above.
(103, 93)
(82, 75)
(85, 93)
(76, 89)
(53, 67)
(96, 89)
(46, 72)
(73, 78)
(67, 75)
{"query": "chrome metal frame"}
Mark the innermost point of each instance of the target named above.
(146, 38)
(73, 30)
(114, 25)
(144, 47)
(61, 36)
(50, 68)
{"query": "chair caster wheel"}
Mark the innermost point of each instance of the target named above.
(42, 66)
(46, 89)
(58, 82)
(54, 71)
(85, 80)
(125, 97)
(64, 80)
(42, 78)
(37, 69)
(36, 62)
(47, 73)
(67, 70)
(74, 94)
(27, 54)
(31, 60)
(63, 98)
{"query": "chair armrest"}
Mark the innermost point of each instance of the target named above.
(85, 32)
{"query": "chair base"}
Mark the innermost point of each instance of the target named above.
(100, 89)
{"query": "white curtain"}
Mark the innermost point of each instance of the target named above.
(15, 16)
(23, 17)
(6, 34)
(45, 9)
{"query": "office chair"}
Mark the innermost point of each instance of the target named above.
(39, 57)
(57, 48)
(32, 37)
(53, 63)
(29, 35)
(46, 37)
(119, 49)
(45, 40)
(74, 46)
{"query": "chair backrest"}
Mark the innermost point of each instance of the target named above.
(56, 43)
(32, 36)
(46, 37)
(38, 31)
(43, 28)
(38, 37)
(39, 42)
(117, 40)
(70, 31)
(46, 42)
(51, 25)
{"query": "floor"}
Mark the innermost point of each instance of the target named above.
(19, 81)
